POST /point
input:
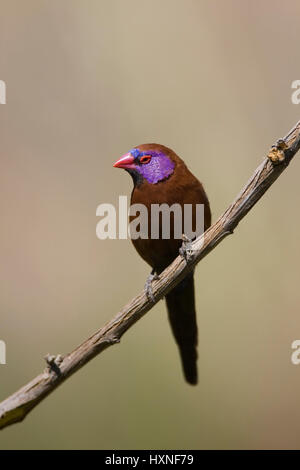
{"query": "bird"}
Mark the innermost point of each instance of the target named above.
(160, 176)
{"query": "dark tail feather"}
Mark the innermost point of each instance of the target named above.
(182, 316)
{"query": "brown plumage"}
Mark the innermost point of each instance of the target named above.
(182, 187)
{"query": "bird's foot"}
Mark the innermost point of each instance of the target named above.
(276, 154)
(148, 286)
(186, 249)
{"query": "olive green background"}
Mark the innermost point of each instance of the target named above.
(87, 81)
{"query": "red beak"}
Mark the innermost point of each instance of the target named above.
(126, 161)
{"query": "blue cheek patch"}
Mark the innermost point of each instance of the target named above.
(159, 168)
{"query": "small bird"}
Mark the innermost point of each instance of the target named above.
(161, 177)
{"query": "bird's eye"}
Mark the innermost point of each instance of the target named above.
(145, 159)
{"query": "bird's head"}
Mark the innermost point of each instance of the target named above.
(150, 162)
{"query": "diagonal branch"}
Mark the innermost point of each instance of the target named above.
(18, 405)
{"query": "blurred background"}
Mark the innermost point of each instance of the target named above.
(87, 81)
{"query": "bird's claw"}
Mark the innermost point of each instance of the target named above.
(186, 249)
(148, 285)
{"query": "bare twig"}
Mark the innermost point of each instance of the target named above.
(59, 368)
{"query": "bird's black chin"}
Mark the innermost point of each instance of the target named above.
(135, 175)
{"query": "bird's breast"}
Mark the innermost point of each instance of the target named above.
(160, 251)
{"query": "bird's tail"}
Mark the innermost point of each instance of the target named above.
(182, 316)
